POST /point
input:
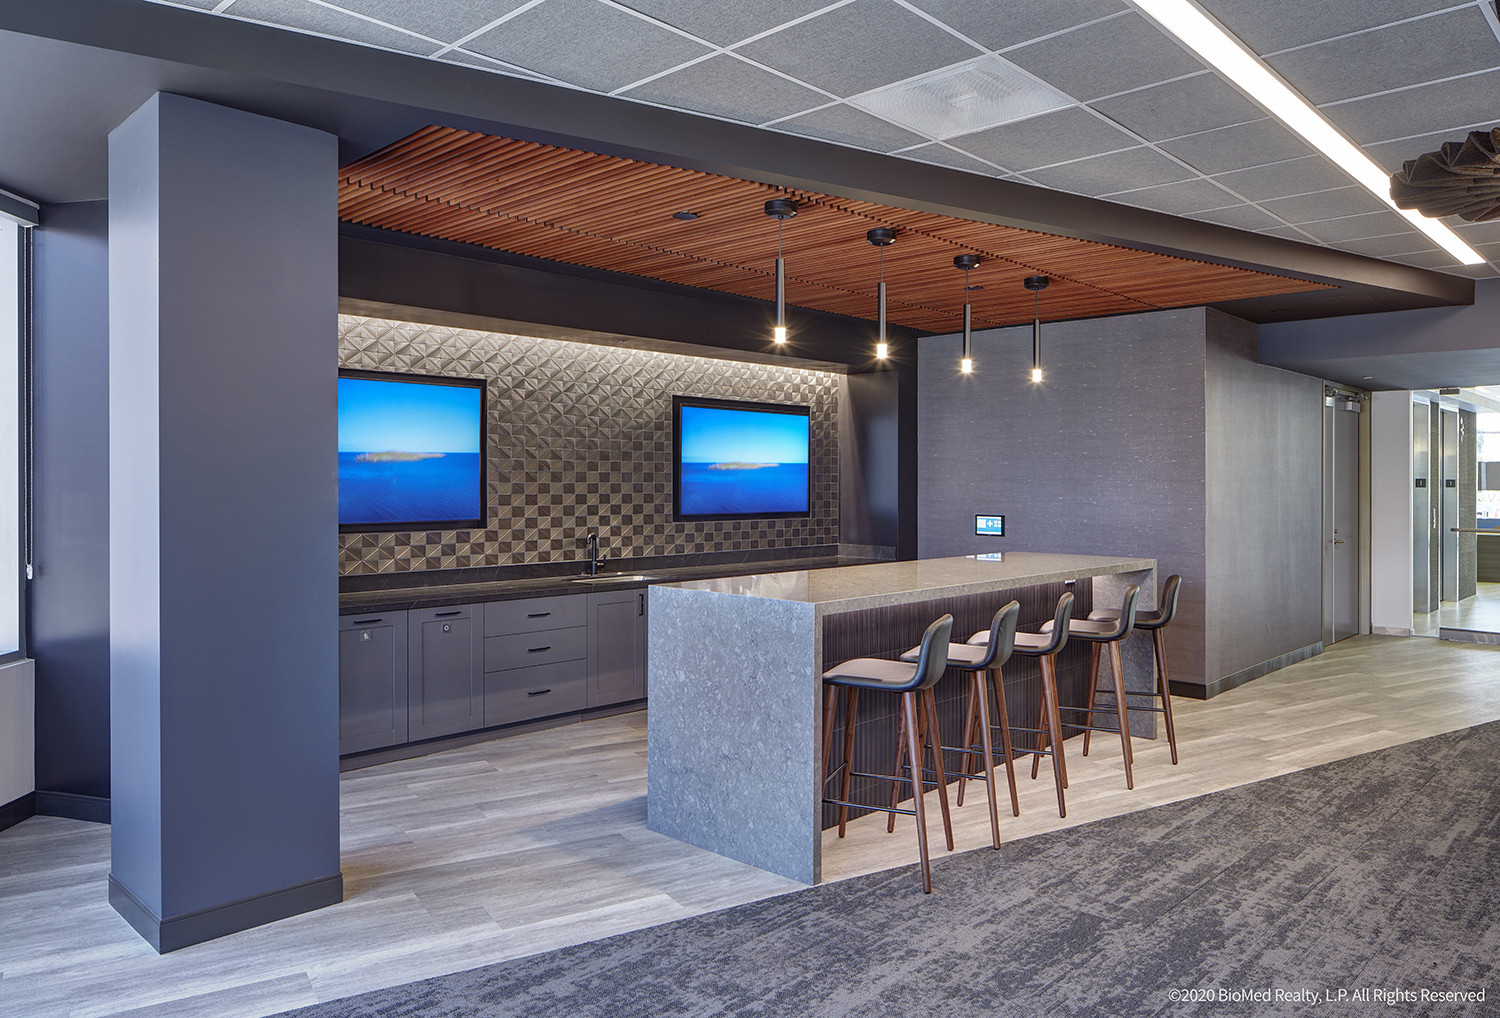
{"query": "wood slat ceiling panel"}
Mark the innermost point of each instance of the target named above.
(611, 213)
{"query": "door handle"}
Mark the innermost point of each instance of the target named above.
(1337, 540)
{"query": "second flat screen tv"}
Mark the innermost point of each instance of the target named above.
(738, 460)
(411, 452)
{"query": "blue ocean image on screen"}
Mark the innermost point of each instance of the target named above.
(742, 461)
(408, 451)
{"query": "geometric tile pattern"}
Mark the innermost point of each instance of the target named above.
(580, 442)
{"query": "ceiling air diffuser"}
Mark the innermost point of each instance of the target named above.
(1461, 179)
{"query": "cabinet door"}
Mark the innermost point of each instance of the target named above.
(617, 647)
(372, 681)
(446, 694)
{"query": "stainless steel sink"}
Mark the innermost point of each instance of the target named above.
(615, 578)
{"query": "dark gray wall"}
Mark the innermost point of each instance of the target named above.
(223, 582)
(1263, 435)
(1427, 348)
(869, 463)
(1105, 457)
(69, 608)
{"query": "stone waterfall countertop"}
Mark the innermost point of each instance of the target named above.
(879, 585)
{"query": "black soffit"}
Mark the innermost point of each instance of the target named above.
(1460, 179)
(106, 57)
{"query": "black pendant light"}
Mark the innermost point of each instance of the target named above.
(780, 209)
(882, 237)
(967, 262)
(1036, 284)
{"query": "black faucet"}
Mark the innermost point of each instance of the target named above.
(596, 561)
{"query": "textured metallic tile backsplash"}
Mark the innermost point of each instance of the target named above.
(581, 442)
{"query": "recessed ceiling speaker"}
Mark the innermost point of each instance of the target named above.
(1460, 179)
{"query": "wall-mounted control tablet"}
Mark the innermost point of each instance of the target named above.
(989, 526)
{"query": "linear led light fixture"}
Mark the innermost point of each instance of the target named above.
(1226, 53)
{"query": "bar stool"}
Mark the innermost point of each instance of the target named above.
(1155, 622)
(914, 682)
(982, 661)
(1103, 634)
(1047, 736)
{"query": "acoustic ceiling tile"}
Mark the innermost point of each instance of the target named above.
(1477, 233)
(858, 47)
(1286, 233)
(1373, 224)
(1180, 199)
(1050, 138)
(1232, 148)
(1416, 111)
(722, 86)
(849, 126)
(1454, 43)
(459, 56)
(942, 155)
(998, 26)
(313, 17)
(1101, 59)
(1188, 106)
(724, 24)
(1345, 201)
(1240, 217)
(1391, 154)
(1278, 180)
(439, 19)
(1426, 259)
(1474, 271)
(586, 43)
(1396, 244)
(1271, 25)
(1118, 171)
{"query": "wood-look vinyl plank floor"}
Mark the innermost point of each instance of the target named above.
(522, 845)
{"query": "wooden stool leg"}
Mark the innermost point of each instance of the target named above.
(939, 770)
(976, 686)
(1118, 666)
(1043, 725)
(1010, 763)
(968, 743)
(851, 700)
(1054, 717)
(830, 703)
(1093, 691)
(1166, 689)
(890, 818)
(909, 730)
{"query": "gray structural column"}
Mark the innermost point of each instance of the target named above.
(223, 520)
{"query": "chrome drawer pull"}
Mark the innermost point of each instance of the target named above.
(534, 650)
(539, 692)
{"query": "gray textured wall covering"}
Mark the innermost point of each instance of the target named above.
(1263, 435)
(581, 441)
(1105, 457)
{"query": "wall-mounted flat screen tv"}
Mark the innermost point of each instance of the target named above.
(411, 452)
(738, 460)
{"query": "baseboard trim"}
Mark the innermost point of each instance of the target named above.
(93, 808)
(16, 810)
(1194, 691)
(191, 928)
(1467, 636)
(1389, 631)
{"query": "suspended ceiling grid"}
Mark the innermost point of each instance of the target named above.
(1093, 99)
(612, 213)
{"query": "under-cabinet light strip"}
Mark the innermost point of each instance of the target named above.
(1226, 53)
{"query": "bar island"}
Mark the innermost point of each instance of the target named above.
(735, 666)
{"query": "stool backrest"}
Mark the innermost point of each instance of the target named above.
(1059, 626)
(1126, 620)
(1002, 637)
(1168, 602)
(932, 658)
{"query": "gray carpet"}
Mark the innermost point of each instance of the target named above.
(1378, 873)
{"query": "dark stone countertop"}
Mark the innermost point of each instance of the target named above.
(389, 599)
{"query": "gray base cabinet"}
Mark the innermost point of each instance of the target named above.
(406, 676)
(372, 681)
(446, 686)
(617, 647)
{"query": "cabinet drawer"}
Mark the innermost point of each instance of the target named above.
(536, 692)
(524, 650)
(532, 614)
